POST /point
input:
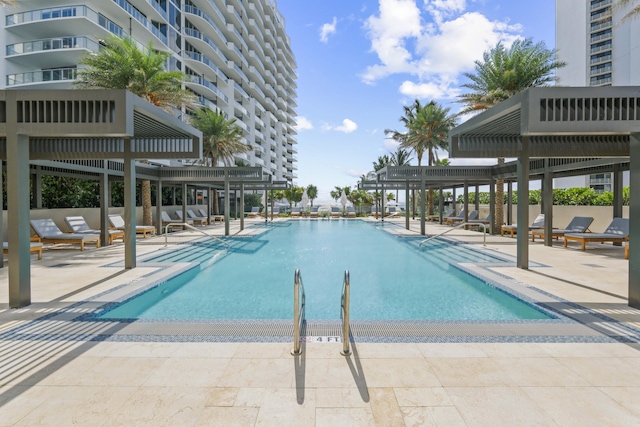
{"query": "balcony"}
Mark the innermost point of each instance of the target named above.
(42, 76)
(210, 86)
(138, 16)
(206, 61)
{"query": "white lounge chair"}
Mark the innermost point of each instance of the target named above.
(78, 225)
(255, 211)
(185, 221)
(579, 224)
(118, 223)
(212, 218)
(295, 213)
(202, 220)
(351, 212)
(473, 215)
(314, 212)
(335, 212)
(513, 228)
(48, 232)
(166, 219)
(34, 247)
(616, 232)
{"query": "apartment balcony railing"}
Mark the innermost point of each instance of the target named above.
(601, 15)
(39, 76)
(241, 90)
(600, 70)
(52, 44)
(600, 59)
(602, 25)
(195, 11)
(600, 48)
(202, 58)
(138, 16)
(212, 87)
(198, 35)
(600, 4)
(600, 82)
(600, 37)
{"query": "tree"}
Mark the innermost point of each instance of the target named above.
(293, 195)
(635, 8)
(121, 64)
(221, 140)
(383, 162)
(401, 157)
(336, 193)
(5, 3)
(502, 73)
(427, 129)
(312, 193)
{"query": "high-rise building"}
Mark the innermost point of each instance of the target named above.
(236, 55)
(600, 49)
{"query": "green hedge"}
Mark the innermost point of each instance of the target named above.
(577, 196)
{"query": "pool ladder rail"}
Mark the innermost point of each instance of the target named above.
(298, 312)
(189, 226)
(344, 314)
(484, 232)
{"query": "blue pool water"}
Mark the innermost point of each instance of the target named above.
(391, 279)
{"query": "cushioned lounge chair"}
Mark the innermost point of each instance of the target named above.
(393, 211)
(295, 212)
(314, 212)
(477, 222)
(626, 252)
(616, 232)
(78, 225)
(213, 218)
(166, 219)
(335, 212)
(35, 247)
(351, 212)
(579, 224)
(202, 220)
(436, 217)
(375, 212)
(48, 232)
(452, 219)
(473, 215)
(117, 222)
(513, 228)
(274, 213)
(255, 211)
(180, 219)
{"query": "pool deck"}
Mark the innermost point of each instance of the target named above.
(48, 379)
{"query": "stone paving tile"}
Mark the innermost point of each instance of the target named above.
(384, 407)
(344, 417)
(432, 416)
(227, 417)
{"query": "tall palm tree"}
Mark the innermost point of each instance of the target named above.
(222, 139)
(635, 10)
(122, 64)
(427, 130)
(336, 193)
(312, 193)
(502, 73)
(383, 162)
(402, 157)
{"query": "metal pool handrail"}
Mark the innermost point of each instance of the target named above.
(484, 232)
(181, 224)
(298, 312)
(344, 314)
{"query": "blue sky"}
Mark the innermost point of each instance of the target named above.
(360, 61)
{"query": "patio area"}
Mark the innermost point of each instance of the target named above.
(47, 379)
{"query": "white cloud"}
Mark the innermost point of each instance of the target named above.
(391, 145)
(347, 126)
(327, 29)
(434, 45)
(302, 123)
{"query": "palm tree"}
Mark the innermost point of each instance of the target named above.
(383, 162)
(312, 193)
(502, 73)
(635, 10)
(336, 193)
(121, 64)
(427, 131)
(222, 139)
(401, 157)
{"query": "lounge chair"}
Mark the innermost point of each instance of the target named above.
(626, 252)
(202, 220)
(579, 224)
(477, 222)
(180, 219)
(393, 211)
(274, 213)
(616, 232)
(513, 228)
(451, 219)
(213, 218)
(375, 212)
(473, 215)
(48, 232)
(166, 219)
(436, 217)
(255, 211)
(117, 222)
(78, 225)
(34, 247)
(335, 212)
(314, 212)
(351, 212)
(295, 213)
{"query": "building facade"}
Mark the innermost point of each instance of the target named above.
(600, 49)
(236, 55)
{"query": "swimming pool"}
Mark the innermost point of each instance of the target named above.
(391, 278)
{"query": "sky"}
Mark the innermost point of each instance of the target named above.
(359, 62)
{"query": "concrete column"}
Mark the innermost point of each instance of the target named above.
(159, 228)
(382, 201)
(185, 197)
(407, 204)
(492, 205)
(1, 210)
(509, 202)
(617, 191)
(423, 204)
(104, 208)
(227, 203)
(477, 206)
(453, 194)
(18, 212)
(440, 203)
(523, 206)
(242, 206)
(634, 223)
(37, 188)
(547, 205)
(466, 202)
(129, 207)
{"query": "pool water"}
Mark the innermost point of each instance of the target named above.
(392, 278)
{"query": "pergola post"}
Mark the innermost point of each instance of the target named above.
(382, 200)
(406, 204)
(227, 202)
(1, 215)
(440, 203)
(18, 211)
(184, 203)
(634, 223)
(422, 204)
(523, 206)
(159, 206)
(241, 206)
(492, 205)
(453, 192)
(509, 203)
(104, 207)
(466, 201)
(477, 204)
(617, 193)
(547, 204)
(129, 207)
